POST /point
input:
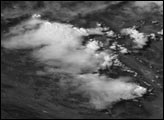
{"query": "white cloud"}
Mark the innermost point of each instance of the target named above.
(139, 39)
(103, 91)
(63, 52)
(160, 32)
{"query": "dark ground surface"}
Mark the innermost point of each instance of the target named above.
(25, 95)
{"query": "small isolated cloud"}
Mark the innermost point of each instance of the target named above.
(140, 39)
(59, 47)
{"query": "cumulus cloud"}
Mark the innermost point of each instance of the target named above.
(59, 47)
(103, 91)
(140, 39)
(61, 44)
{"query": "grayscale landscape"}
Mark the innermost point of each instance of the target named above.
(81, 59)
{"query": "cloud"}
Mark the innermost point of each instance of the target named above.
(104, 91)
(59, 47)
(140, 39)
